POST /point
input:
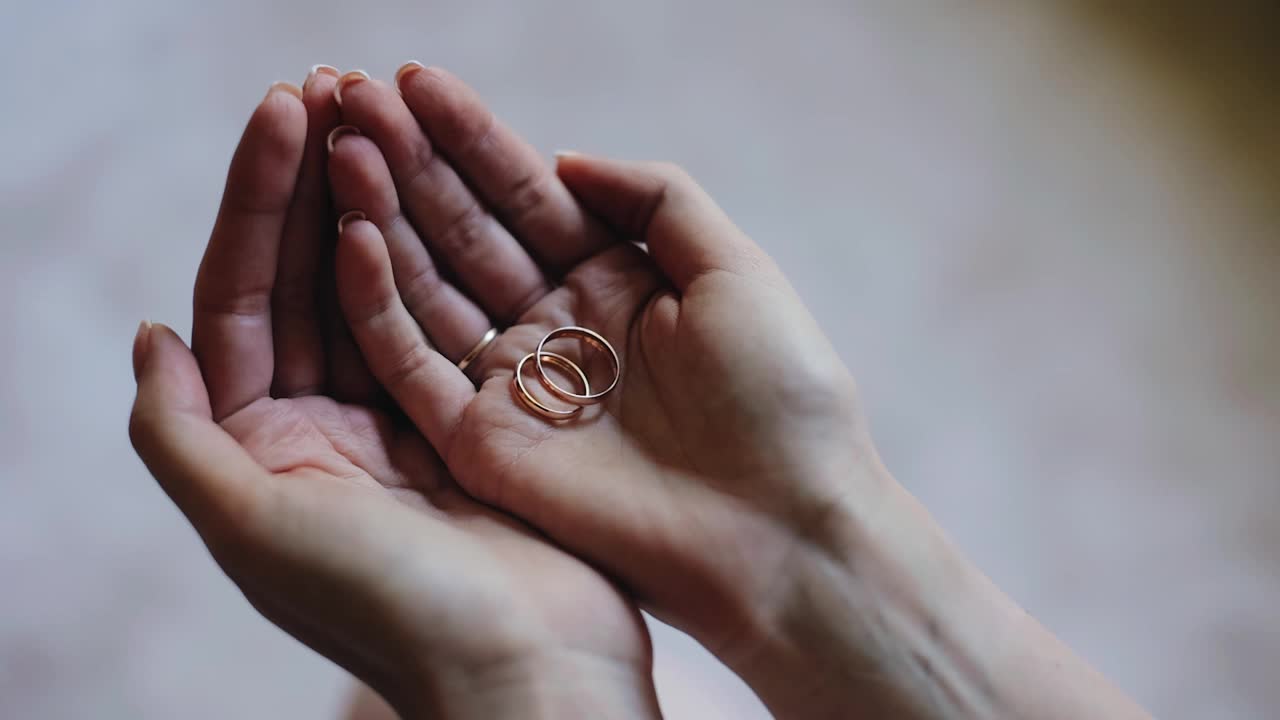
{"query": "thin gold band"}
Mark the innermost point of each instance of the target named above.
(537, 405)
(479, 348)
(593, 339)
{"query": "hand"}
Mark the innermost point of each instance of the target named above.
(732, 450)
(729, 481)
(338, 522)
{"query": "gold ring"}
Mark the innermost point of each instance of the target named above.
(593, 339)
(479, 348)
(537, 405)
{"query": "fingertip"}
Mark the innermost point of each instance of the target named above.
(338, 133)
(349, 217)
(414, 68)
(569, 161)
(407, 70)
(347, 81)
(281, 97)
(363, 265)
(153, 347)
(164, 352)
(619, 192)
(279, 124)
(169, 380)
(361, 247)
(323, 115)
(621, 177)
(284, 87)
(317, 91)
(317, 72)
(141, 345)
(359, 177)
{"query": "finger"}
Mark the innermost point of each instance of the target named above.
(431, 390)
(231, 331)
(309, 235)
(314, 349)
(459, 231)
(349, 378)
(361, 181)
(508, 173)
(203, 469)
(658, 204)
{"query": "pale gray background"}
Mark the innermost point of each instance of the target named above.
(1045, 237)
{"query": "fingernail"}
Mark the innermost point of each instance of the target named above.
(407, 69)
(319, 70)
(351, 78)
(290, 88)
(141, 347)
(338, 132)
(347, 217)
(566, 154)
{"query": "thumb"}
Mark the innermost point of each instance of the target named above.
(211, 478)
(658, 204)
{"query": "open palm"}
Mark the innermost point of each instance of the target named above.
(676, 483)
(336, 519)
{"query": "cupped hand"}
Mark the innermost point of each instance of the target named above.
(733, 436)
(338, 521)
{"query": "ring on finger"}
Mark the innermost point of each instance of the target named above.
(479, 349)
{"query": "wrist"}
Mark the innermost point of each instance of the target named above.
(875, 610)
(564, 684)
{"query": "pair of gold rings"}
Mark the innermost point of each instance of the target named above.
(542, 357)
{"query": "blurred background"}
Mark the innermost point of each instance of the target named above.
(1045, 236)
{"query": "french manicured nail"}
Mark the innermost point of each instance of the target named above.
(408, 69)
(141, 347)
(349, 217)
(338, 132)
(351, 78)
(329, 70)
(559, 154)
(290, 88)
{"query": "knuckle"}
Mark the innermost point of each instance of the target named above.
(475, 134)
(364, 312)
(409, 365)
(465, 233)
(420, 289)
(247, 302)
(527, 194)
(424, 156)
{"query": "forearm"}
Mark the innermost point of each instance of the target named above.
(890, 621)
(555, 687)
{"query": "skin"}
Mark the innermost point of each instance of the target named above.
(339, 523)
(664, 455)
(729, 483)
